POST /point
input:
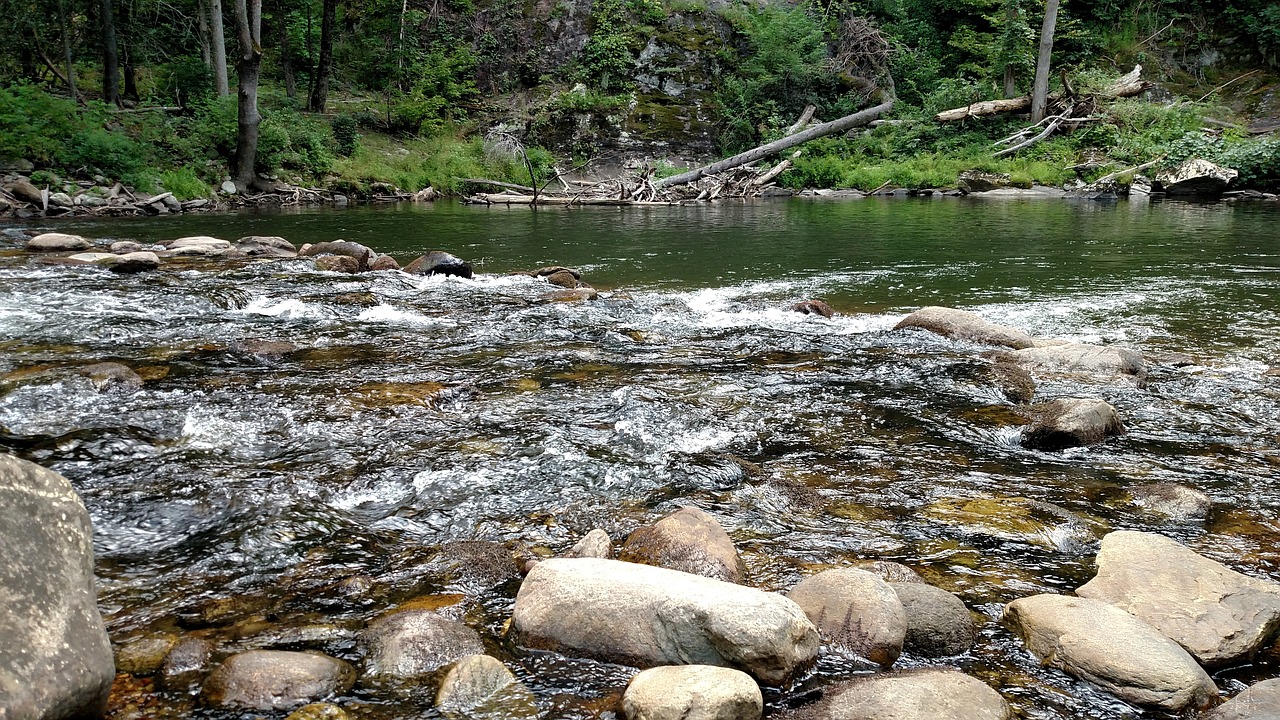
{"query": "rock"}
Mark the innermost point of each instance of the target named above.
(1087, 359)
(646, 616)
(554, 269)
(94, 258)
(266, 349)
(480, 687)
(108, 376)
(476, 565)
(55, 658)
(1176, 502)
(972, 181)
(562, 278)
(20, 165)
(186, 662)
(407, 645)
(341, 248)
(57, 242)
(318, 711)
(595, 544)
(439, 262)
(338, 264)
(144, 655)
(579, 295)
(194, 204)
(856, 611)
(228, 187)
(813, 307)
(171, 203)
(1019, 519)
(1072, 422)
(938, 623)
(23, 190)
(1014, 382)
(688, 540)
(1196, 177)
(210, 245)
(265, 680)
(1220, 616)
(86, 200)
(692, 692)
(929, 694)
(384, 262)
(1110, 648)
(964, 325)
(125, 246)
(889, 571)
(266, 246)
(61, 199)
(1259, 702)
(133, 262)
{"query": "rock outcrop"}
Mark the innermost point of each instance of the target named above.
(647, 616)
(1110, 648)
(1219, 615)
(855, 611)
(688, 540)
(692, 692)
(266, 680)
(1072, 422)
(965, 325)
(55, 658)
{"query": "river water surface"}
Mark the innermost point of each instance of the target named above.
(418, 412)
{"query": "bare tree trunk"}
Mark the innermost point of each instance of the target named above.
(126, 55)
(202, 30)
(66, 50)
(817, 131)
(286, 59)
(1010, 81)
(404, 9)
(1040, 91)
(110, 55)
(219, 37)
(320, 90)
(249, 33)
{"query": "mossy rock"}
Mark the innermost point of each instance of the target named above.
(1017, 518)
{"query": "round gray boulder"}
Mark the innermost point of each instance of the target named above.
(411, 644)
(931, 694)
(480, 687)
(964, 325)
(1072, 422)
(692, 692)
(57, 242)
(938, 623)
(265, 680)
(856, 611)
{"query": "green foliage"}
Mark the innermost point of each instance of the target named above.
(441, 83)
(346, 135)
(113, 154)
(184, 183)
(185, 80)
(607, 60)
(437, 162)
(589, 101)
(34, 124)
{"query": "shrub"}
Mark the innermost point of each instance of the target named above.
(345, 135)
(184, 183)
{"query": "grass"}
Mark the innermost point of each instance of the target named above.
(438, 162)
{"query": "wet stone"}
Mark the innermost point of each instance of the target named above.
(1258, 702)
(1173, 501)
(338, 264)
(813, 307)
(267, 349)
(57, 242)
(480, 687)
(186, 662)
(931, 694)
(318, 711)
(409, 645)
(264, 680)
(1072, 422)
(439, 262)
(110, 376)
(889, 571)
(855, 611)
(596, 544)
(562, 278)
(964, 325)
(384, 262)
(144, 655)
(688, 540)
(938, 623)
(692, 692)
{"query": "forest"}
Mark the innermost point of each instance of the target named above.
(387, 96)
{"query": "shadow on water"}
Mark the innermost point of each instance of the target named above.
(242, 496)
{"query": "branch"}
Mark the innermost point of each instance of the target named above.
(1112, 176)
(1057, 120)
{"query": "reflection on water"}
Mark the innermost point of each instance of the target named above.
(414, 412)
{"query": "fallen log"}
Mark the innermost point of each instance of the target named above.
(1127, 85)
(496, 183)
(1136, 168)
(817, 131)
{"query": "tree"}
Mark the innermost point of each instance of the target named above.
(1040, 91)
(219, 38)
(110, 56)
(249, 34)
(320, 89)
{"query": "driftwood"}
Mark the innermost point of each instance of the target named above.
(1127, 85)
(777, 170)
(806, 117)
(1136, 168)
(1054, 122)
(497, 183)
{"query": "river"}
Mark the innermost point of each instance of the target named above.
(416, 412)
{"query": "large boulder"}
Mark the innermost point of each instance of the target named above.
(112, 376)
(55, 658)
(480, 687)
(338, 263)
(1259, 702)
(856, 611)
(1072, 422)
(133, 262)
(965, 325)
(692, 692)
(266, 246)
(24, 190)
(1196, 177)
(1110, 648)
(688, 540)
(938, 623)
(1098, 360)
(929, 694)
(57, 242)
(266, 680)
(438, 262)
(1217, 614)
(342, 248)
(210, 245)
(407, 645)
(646, 616)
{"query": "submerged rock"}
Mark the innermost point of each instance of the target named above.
(265, 680)
(1072, 422)
(813, 307)
(408, 645)
(1219, 615)
(595, 544)
(186, 663)
(855, 611)
(108, 376)
(1259, 702)
(1109, 647)
(964, 325)
(646, 616)
(57, 242)
(1173, 501)
(439, 262)
(938, 623)
(318, 711)
(1014, 382)
(688, 540)
(889, 571)
(476, 565)
(692, 692)
(480, 687)
(929, 694)
(1196, 177)
(974, 181)
(144, 655)
(1017, 518)
(55, 658)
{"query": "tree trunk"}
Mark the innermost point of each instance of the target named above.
(249, 33)
(66, 50)
(286, 59)
(219, 38)
(320, 90)
(817, 131)
(1040, 91)
(202, 30)
(126, 55)
(110, 55)
(1010, 80)
(404, 10)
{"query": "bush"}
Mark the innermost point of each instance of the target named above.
(184, 183)
(34, 124)
(345, 135)
(113, 154)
